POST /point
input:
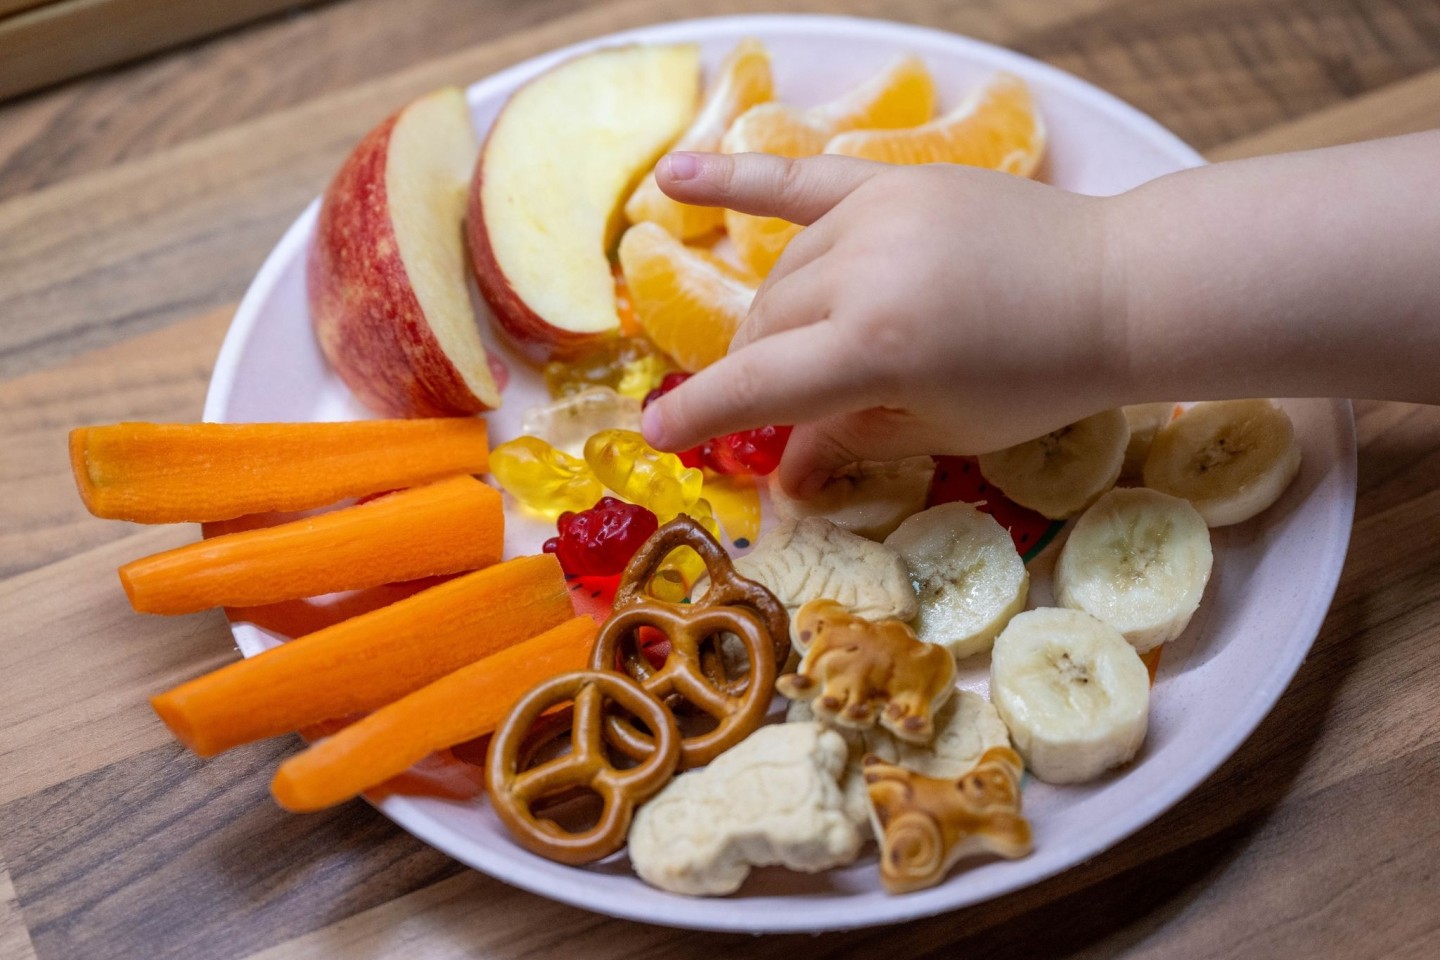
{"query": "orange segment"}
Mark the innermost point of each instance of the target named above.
(996, 127)
(629, 325)
(688, 304)
(759, 241)
(743, 82)
(902, 95)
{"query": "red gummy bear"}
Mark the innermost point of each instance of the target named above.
(958, 478)
(600, 541)
(693, 458)
(754, 452)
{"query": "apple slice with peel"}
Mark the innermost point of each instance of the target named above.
(387, 272)
(561, 158)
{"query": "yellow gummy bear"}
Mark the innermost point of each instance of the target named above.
(544, 479)
(625, 463)
(683, 567)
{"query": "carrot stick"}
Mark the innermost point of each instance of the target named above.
(196, 472)
(465, 704)
(444, 527)
(366, 662)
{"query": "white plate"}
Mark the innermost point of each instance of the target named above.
(1273, 581)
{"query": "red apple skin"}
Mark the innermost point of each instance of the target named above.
(523, 329)
(366, 315)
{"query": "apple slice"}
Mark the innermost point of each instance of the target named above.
(563, 155)
(387, 275)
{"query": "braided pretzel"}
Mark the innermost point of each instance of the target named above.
(739, 707)
(727, 587)
(514, 791)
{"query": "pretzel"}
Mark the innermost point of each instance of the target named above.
(858, 671)
(727, 587)
(516, 787)
(926, 824)
(739, 706)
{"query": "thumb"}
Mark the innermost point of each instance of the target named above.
(818, 451)
(762, 184)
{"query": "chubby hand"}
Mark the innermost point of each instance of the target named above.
(928, 309)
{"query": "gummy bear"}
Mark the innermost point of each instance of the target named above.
(544, 479)
(755, 452)
(601, 540)
(683, 567)
(625, 463)
(746, 453)
(631, 366)
(695, 456)
(568, 422)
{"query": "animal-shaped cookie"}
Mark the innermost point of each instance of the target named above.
(926, 825)
(858, 671)
(965, 727)
(771, 799)
(812, 558)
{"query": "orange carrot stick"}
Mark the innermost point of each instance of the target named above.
(465, 704)
(444, 527)
(196, 472)
(366, 662)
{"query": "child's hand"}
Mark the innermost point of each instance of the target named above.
(953, 310)
(932, 309)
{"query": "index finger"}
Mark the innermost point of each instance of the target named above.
(801, 191)
(788, 377)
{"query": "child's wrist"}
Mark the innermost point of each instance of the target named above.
(1116, 268)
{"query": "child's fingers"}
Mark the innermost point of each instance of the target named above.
(797, 299)
(762, 184)
(793, 376)
(805, 247)
(816, 451)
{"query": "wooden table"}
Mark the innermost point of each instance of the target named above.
(134, 208)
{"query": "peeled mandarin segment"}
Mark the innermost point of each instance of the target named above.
(775, 128)
(997, 127)
(743, 82)
(687, 305)
(731, 270)
(902, 95)
(783, 131)
(759, 241)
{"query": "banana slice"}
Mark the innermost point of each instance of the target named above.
(868, 498)
(1145, 421)
(1139, 560)
(965, 569)
(1230, 458)
(1073, 694)
(1062, 473)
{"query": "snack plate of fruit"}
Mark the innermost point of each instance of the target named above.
(1273, 576)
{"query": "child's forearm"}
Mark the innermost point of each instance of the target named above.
(1313, 274)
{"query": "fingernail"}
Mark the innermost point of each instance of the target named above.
(681, 166)
(652, 428)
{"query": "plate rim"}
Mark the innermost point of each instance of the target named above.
(720, 914)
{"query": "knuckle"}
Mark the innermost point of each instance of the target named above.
(750, 328)
(744, 388)
(791, 176)
(720, 174)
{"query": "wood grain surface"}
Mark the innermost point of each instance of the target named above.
(44, 43)
(136, 205)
